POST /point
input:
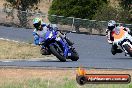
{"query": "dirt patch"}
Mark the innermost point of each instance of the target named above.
(53, 78)
(43, 7)
(52, 74)
(15, 50)
(10, 75)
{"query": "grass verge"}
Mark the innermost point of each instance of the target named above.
(41, 83)
(42, 78)
(14, 50)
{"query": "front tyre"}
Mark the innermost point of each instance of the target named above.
(128, 49)
(74, 56)
(57, 54)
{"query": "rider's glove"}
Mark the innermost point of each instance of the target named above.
(42, 43)
(36, 37)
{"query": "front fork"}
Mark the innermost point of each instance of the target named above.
(65, 47)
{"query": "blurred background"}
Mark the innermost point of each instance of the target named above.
(89, 16)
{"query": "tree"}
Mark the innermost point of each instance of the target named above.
(75, 8)
(106, 13)
(24, 4)
(127, 6)
(123, 17)
(21, 6)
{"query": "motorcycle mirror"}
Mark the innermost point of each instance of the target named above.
(68, 32)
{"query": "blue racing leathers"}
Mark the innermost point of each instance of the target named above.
(39, 35)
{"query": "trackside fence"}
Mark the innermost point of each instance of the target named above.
(12, 17)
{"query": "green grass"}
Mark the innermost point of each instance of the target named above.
(66, 83)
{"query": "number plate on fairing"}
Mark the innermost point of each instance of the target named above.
(69, 54)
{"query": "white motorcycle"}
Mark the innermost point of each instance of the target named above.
(123, 40)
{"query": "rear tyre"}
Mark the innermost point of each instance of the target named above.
(128, 49)
(74, 56)
(57, 54)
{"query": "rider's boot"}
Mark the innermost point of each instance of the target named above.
(114, 50)
(119, 51)
(44, 51)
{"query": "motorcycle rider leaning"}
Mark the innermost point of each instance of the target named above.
(40, 30)
(112, 28)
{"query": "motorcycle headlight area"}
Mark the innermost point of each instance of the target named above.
(58, 39)
(50, 35)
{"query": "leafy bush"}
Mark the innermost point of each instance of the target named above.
(23, 5)
(108, 12)
(75, 8)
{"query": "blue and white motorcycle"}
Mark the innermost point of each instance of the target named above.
(59, 47)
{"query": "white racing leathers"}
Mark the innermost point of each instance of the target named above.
(123, 40)
(109, 33)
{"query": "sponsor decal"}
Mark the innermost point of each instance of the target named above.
(83, 78)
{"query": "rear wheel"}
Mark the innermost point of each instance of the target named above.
(128, 49)
(55, 51)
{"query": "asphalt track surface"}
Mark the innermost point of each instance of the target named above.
(94, 52)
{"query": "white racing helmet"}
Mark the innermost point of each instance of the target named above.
(111, 25)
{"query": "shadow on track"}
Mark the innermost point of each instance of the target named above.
(53, 61)
(127, 58)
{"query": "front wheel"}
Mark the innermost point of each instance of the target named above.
(128, 49)
(74, 56)
(54, 51)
